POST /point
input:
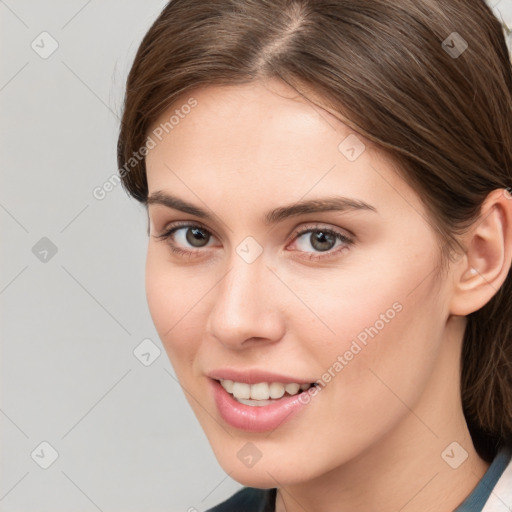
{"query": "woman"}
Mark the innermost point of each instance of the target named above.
(330, 244)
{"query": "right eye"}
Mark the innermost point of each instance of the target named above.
(183, 237)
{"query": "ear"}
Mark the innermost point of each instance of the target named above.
(480, 273)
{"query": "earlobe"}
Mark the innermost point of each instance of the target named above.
(483, 270)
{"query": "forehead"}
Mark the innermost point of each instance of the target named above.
(263, 142)
(257, 126)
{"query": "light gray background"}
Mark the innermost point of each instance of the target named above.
(125, 436)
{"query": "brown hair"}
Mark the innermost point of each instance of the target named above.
(389, 71)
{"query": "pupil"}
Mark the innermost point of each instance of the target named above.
(321, 239)
(197, 237)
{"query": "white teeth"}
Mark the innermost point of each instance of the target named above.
(277, 390)
(262, 391)
(254, 403)
(292, 388)
(228, 385)
(241, 390)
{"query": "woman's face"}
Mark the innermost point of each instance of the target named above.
(269, 292)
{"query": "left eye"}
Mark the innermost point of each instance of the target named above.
(321, 240)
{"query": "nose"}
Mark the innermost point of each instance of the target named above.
(246, 305)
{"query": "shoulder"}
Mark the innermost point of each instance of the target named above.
(248, 499)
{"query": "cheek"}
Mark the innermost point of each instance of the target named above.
(385, 328)
(173, 297)
(364, 302)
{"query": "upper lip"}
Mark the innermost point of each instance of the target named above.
(253, 376)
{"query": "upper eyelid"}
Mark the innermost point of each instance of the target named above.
(299, 231)
(182, 225)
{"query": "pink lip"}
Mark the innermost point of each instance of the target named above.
(253, 376)
(257, 419)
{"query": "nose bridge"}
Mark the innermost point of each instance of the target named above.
(244, 306)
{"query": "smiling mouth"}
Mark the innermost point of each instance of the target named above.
(262, 393)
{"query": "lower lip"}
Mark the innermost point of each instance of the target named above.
(257, 418)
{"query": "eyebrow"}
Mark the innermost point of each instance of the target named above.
(325, 204)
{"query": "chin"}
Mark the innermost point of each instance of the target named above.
(271, 471)
(258, 480)
(264, 476)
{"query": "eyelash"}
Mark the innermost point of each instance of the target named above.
(167, 236)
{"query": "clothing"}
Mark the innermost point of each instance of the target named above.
(492, 494)
(487, 496)
(249, 499)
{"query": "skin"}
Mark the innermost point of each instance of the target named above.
(372, 439)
